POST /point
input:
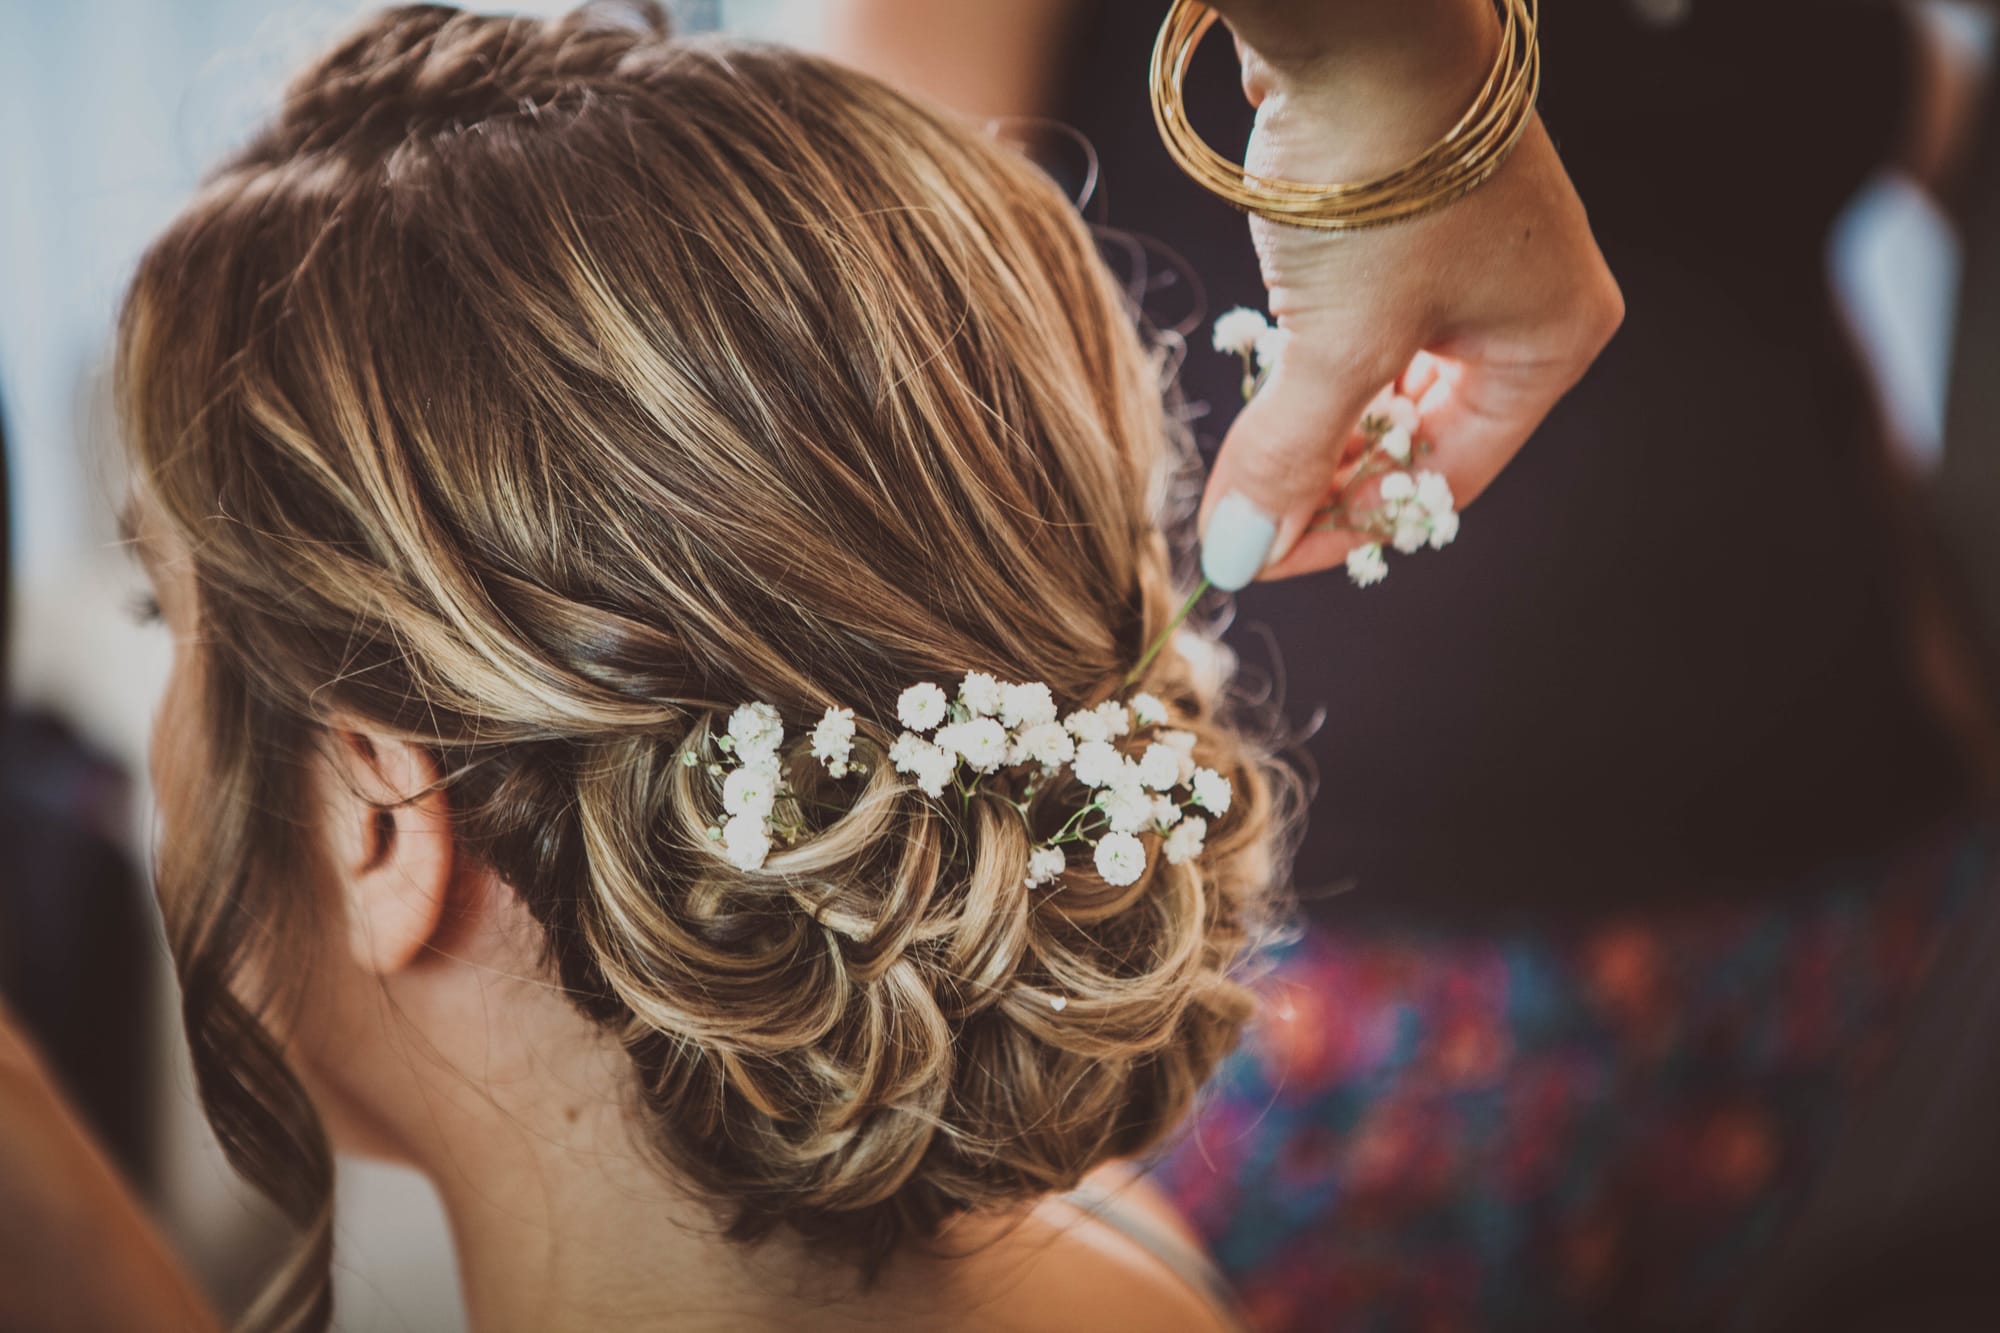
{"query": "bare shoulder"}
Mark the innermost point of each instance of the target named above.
(1064, 1268)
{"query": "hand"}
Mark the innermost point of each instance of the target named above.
(77, 1254)
(1504, 289)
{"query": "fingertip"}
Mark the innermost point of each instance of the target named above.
(1435, 397)
(1237, 542)
(1421, 374)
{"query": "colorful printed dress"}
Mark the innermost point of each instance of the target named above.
(1601, 1128)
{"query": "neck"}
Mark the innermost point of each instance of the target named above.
(560, 1216)
(520, 1112)
(575, 1226)
(563, 1219)
(560, 1223)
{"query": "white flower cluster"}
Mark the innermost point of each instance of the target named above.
(1247, 334)
(994, 725)
(833, 741)
(753, 777)
(991, 726)
(753, 780)
(1416, 506)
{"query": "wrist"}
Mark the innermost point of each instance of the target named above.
(1375, 82)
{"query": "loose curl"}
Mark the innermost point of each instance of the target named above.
(536, 391)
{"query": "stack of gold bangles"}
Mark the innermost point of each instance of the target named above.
(1470, 151)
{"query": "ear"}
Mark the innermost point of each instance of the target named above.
(392, 847)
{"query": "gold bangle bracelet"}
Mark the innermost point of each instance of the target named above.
(1459, 162)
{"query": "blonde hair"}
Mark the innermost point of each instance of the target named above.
(538, 391)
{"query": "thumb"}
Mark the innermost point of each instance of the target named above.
(1279, 461)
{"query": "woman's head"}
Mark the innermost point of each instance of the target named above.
(529, 394)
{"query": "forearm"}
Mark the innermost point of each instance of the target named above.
(976, 56)
(77, 1253)
(1358, 37)
(1385, 77)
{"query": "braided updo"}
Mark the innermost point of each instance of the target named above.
(538, 391)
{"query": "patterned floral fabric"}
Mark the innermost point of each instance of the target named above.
(1599, 1127)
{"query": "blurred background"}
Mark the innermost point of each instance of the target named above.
(110, 110)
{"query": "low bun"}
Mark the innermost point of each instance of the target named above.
(886, 1026)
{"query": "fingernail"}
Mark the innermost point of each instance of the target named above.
(1238, 542)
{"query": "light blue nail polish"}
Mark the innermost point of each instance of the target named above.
(1238, 542)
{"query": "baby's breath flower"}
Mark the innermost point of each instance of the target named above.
(1160, 767)
(921, 707)
(1120, 858)
(903, 752)
(980, 693)
(1147, 710)
(833, 740)
(1398, 486)
(1395, 442)
(931, 766)
(1366, 566)
(1434, 492)
(1045, 866)
(1184, 844)
(1166, 812)
(1087, 725)
(1028, 705)
(1128, 806)
(756, 728)
(1047, 744)
(1117, 717)
(1098, 764)
(749, 791)
(1444, 527)
(1211, 791)
(935, 771)
(746, 841)
(982, 741)
(1236, 330)
(1413, 529)
(764, 761)
(1402, 413)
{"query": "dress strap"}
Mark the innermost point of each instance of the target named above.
(1107, 1203)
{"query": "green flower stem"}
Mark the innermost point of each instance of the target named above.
(1071, 830)
(1370, 525)
(1335, 516)
(1374, 463)
(1199, 588)
(1075, 836)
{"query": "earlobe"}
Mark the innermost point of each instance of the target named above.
(394, 852)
